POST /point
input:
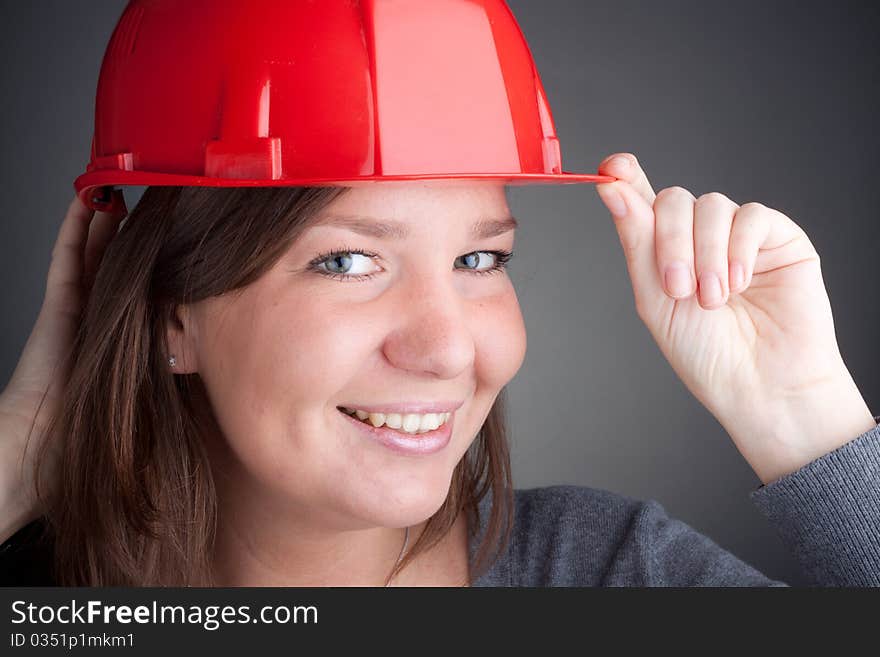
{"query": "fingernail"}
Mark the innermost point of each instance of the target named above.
(710, 289)
(678, 279)
(614, 200)
(737, 276)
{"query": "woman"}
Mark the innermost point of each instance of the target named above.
(284, 307)
(208, 427)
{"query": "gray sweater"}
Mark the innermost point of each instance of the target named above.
(827, 514)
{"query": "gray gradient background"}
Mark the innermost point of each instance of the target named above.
(764, 101)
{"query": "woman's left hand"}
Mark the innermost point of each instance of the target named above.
(758, 350)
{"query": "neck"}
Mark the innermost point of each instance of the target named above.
(245, 555)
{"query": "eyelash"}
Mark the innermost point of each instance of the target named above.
(501, 259)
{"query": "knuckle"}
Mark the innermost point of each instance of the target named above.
(753, 206)
(714, 199)
(674, 193)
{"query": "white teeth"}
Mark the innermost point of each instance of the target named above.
(409, 423)
(429, 422)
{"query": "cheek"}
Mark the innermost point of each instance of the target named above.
(299, 355)
(500, 337)
(270, 368)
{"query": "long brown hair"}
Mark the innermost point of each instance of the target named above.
(133, 501)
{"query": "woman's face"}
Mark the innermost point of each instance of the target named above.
(422, 319)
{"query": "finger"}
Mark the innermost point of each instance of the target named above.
(103, 229)
(63, 282)
(625, 166)
(786, 242)
(751, 226)
(713, 218)
(674, 229)
(634, 220)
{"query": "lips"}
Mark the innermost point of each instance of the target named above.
(403, 443)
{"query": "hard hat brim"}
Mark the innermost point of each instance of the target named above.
(87, 185)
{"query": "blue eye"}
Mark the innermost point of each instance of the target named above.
(501, 258)
(338, 263)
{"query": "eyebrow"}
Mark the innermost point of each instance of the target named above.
(390, 228)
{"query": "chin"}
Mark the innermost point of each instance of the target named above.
(405, 504)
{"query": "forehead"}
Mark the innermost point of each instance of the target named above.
(391, 211)
(394, 229)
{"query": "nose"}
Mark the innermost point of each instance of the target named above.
(432, 332)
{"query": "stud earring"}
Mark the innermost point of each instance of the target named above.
(172, 361)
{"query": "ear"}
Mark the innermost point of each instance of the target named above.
(182, 338)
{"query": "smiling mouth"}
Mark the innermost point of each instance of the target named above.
(406, 423)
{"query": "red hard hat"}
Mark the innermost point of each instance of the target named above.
(227, 93)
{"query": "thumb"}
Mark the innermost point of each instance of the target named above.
(634, 221)
(102, 230)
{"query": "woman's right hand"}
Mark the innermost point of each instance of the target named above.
(44, 366)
